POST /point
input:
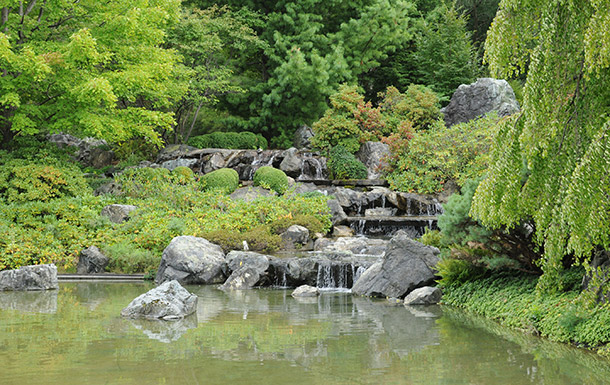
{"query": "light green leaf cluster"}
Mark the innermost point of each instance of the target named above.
(550, 164)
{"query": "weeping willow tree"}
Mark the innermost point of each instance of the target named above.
(552, 162)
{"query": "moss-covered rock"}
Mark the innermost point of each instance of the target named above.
(271, 178)
(225, 179)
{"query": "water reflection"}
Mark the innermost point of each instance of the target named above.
(29, 301)
(266, 336)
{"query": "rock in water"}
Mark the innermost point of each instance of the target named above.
(248, 268)
(168, 301)
(479, 98)
(427, 295)
(406, 265)
(37, 277)
(91, 261)
(192, 260)
(306, 291)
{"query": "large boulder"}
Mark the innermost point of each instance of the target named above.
(338, 216)
(292, 163)
(294, 237)
(91, 261)
(480, 98)
(88, 151)
(167, 301)
(117, 213)
(182, 162)
(192, 260)
(374, 156)
(248, 270)
(250, 193)
(302, 137)
(37, 277)
(406, 265)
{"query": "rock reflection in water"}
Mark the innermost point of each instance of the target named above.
(29, 301)
(165, 331)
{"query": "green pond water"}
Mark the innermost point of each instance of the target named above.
(75, 335)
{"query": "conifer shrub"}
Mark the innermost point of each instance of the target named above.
(342, 164)
(224, 179)
(271, 178)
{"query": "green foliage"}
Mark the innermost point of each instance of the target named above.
(423, 161)
(271, 178)
(351, 121)
(129, 259)
(25, 181)
(224, 179)
(513, 301)
(431, 238)
(311, 222)
(232, 140)
(183, 175)
(457, 271)
(342, 164)
(561, 135)
(258, 239)
(92, 68)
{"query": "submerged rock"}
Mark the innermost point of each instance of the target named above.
(37, 277)
(167, 302)
(427, 295)
(91, 261)
(305, 291)
(192, 260)
(406, 265)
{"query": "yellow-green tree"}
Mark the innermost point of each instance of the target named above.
(551, 163)
(89, 67)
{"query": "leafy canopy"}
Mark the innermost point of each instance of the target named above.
(551, 164)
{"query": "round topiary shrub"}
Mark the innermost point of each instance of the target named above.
(183, 175)
(342, 164)
(225, 179)
(271, 178)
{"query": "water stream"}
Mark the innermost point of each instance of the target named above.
(76, 336)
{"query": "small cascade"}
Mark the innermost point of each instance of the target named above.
(335, 276)
(260, 161)
(311, 168)
(280, 278)
(358, 273)
(325, 277)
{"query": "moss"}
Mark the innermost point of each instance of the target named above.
(271, 178)
(224, 179)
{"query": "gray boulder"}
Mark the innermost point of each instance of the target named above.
(174, 151)
(479, 98)
(215, 162)
(427, 295)
(174, 163)
(338, 216)
(192, 260)
(295, 236)
(117, 213)
(250, 193)
(292, 163)
(37, 277)
(373, 155)
(248, 270)
(302, 137)
(91, 261)
(406, 265)
(167, 301)
(305, 291)
(343, 231)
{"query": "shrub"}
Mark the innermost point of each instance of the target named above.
(224, 179)
(423, 161)
(418, 105)
(130, 259)
(258, 239)
(343, 165)
(231, 140)
(271, 178)
(183, 175)
(25, 181)
(313, 224)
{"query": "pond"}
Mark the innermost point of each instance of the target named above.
(75, 335)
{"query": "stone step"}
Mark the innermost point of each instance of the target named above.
(407, 219)
(101, 277)
(347, 182)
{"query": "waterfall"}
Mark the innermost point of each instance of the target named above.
(358, 273)
(325, 277)
(280, 278)
(339, 276)
(359, 226)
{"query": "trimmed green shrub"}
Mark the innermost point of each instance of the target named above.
(342, 164)
(313, 224)
(183, 175)
(130, 259)
(231, 140)
(271, 178)
(258, 238)
(224, 179)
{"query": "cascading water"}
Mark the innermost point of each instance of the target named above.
(338, 276)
